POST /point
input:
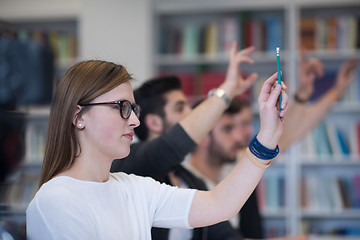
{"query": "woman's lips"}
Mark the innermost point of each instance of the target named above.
(129, 136)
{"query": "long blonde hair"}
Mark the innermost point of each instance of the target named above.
(81, 83)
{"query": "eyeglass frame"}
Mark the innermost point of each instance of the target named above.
(133, 107)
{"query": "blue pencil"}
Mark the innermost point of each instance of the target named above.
(279, 74)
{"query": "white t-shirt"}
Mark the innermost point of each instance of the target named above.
(124, 207)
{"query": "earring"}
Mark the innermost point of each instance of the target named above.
(80, 125)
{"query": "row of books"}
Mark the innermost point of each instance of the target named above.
(319, 194)
(271, 193)
(330, 33)
(63, 44)
(17, 194)
(215, 36)
(198, 84)
(329, 194)
(36, 135)
(329, 141)
(342, 232)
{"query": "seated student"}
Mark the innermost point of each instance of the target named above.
(234, 130)
(92, 119)
(168, 127)
(169, 131)
(207, 161)
(163, 142)
(161, 116)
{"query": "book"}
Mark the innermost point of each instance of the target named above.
(229, 33)
(307, 33)
(242, 18)
(332, 134)
(202, 36)
(190, 40)
(331, 33)
(321, 141)
(343, 142)
(336, 195)
(211, 79)
(248, 34)
(342, 33)
(313, 190)
(304, 203)
(358, 138)
(356, 191)
(274, 33)
(320, 34)
(344, 193)
(358, 34)
(258, 34)
(211, 39)
(163, 41)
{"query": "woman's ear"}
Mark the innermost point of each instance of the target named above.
(78, 121)
(154, 123)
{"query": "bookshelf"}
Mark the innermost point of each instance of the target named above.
(181, 46)
(18, 189)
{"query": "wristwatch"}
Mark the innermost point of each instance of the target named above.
(219, 92)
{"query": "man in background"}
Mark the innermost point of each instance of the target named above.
(170, 129)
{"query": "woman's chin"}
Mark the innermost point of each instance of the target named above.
(124, 154)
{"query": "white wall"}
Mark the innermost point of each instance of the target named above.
(119, 31)
(112, 30)
(38, 9)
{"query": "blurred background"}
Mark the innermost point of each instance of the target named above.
(313, 188)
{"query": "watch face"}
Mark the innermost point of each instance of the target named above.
(220, 92)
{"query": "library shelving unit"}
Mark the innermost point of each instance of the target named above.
(191, 39)
(18, 190)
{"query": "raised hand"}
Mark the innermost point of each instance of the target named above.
(235, 83)
(345, 76)
(308, 71)
(271, 125)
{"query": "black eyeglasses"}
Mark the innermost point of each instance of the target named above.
(125, 107)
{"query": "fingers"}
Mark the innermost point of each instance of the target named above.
(247, 51)
(316, 66)
(241, 56)
(270, 93)
(266, 87)
(283, 86)
(284, 103)
(249, 81)
(252, 77)
(349, 66)
(233, 49)
(274, 95)
(347, 70)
